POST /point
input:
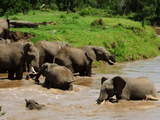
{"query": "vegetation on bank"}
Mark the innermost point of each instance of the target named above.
(126, 39)
(1, 113)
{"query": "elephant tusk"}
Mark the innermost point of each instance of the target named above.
(33, 70)
(102, 103)
(111, 62)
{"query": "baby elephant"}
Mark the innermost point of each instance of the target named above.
(126, 88)
(56, 76)
(31, 104)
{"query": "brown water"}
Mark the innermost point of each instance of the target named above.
(80, 104)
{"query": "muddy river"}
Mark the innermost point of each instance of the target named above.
(79, 104)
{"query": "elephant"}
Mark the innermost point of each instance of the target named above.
(80, 59)
(48, 50)
(126, 88)
(32, 104)
(4, 28)
(14, 55)
(56, 76)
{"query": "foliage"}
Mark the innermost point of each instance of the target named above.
(1, 113)
(11, 7)
(126, 39)
(84, 12)
(144, 10)
(97, 22)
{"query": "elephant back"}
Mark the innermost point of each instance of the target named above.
(61, 74)
(140, 87)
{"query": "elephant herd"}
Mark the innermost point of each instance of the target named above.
(58, 61)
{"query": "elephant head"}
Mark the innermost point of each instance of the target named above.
(32, 104)
(31, 54)
(99, 53)
(111, 87)
(44, 70)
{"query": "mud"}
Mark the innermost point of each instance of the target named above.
(16, 36)
(80, 103)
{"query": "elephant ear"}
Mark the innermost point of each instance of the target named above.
(45, 67)
(30, 52)
(63, 44)
(118, 83)
(26, 100)
(91, 54)
(103, 79)
(106, 84)
(28, 47)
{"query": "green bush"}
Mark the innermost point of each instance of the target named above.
(62, 16)
(70, 21)
(53, 6)
(84, 12)
(97, 22)
(1, 12)
(14, 18)
(75, 17)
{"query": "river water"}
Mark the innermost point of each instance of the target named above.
(80, 103)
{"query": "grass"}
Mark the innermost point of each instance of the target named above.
(2, 113)
(124, 38)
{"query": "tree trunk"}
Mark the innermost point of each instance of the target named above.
(18, 24)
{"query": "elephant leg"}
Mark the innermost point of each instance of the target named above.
(28, 67)
(112, 100)
(24, 67)
(89, 70)
(123, 95)
(70, 87)
(70, 67)
(11, 73)
(41, 61)
(82, 73)
(19, 72)
(46, 83)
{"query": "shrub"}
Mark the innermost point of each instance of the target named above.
(62, 16)
(54, 6)
(14, 18)
(75, 17)
(84, 12)
(97, 22)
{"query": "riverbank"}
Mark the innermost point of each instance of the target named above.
(124, 38)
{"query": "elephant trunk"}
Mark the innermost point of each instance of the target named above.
(103, 96)
(111, 60)
(35, 62)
